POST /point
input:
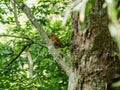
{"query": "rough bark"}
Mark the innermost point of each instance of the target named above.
(94, 53)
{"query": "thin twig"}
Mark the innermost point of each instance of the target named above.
(5, 35)
(23, 49)
(35, 42)
(15, 14)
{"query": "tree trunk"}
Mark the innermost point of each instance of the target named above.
(95, 63)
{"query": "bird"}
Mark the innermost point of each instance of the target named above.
(55, 40)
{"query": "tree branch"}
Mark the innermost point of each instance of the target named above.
(41, 44)
(32, 42)
(4, 35)
(53, 51)
(15, 14)
(30, 60)
(23, 49)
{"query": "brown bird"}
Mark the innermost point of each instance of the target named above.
(56, 41)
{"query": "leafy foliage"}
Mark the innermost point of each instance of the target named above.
(47, 75)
